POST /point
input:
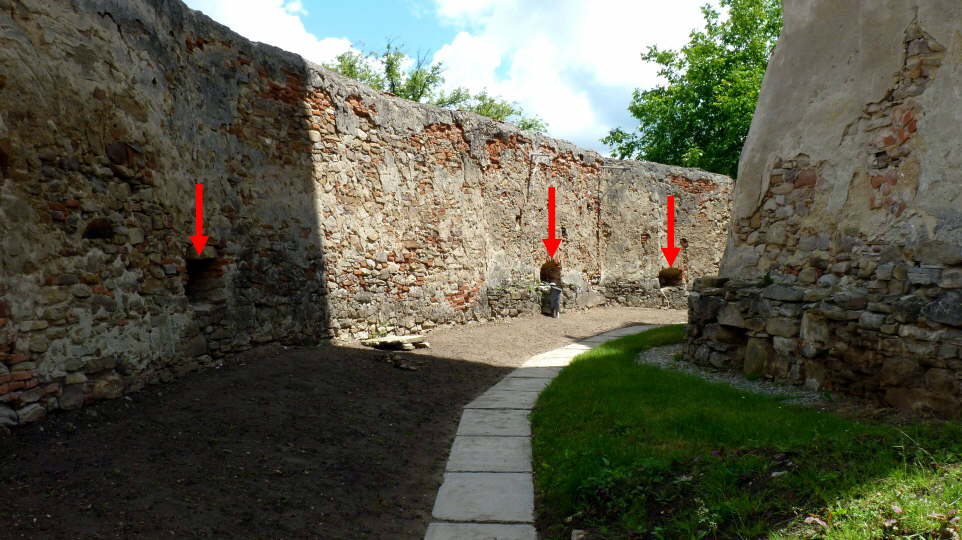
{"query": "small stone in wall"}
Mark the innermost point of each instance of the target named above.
(871, 320)
(782, 326)
(784, 345)
(808, 275)
(946, 310)
(107, 387)
(31, 413)
(758, 354)
(784, 293)
(731, 315)
(72, 397)
(951, 279)
(939, 253)
(8, 416)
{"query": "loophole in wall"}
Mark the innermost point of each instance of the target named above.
(669, 277)
(204, 278)
(4, 162)
(99, 228)
(551, 272)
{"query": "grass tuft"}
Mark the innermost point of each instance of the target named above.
(633, 451)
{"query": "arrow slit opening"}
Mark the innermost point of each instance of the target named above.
(551, 272)
(670, 277)
(204, 280)
(100, 228)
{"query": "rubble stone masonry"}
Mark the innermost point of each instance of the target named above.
(843, 269)
(333, 210)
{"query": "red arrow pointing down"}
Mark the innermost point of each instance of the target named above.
(551, 243)
(199, 239)
(671, 252)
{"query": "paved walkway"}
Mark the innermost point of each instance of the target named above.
(488, 493)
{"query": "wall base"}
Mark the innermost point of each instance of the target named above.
(888, 349)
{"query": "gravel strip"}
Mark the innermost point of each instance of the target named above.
(663, 357)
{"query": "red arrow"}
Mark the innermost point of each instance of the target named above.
(199, 239)
(671, 251)
(551, 243)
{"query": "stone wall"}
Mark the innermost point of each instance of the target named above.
(844, 261)
(333, 210)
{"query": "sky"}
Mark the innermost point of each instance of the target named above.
(574, 63)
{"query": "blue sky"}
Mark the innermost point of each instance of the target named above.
(373, 22)
(574, 63)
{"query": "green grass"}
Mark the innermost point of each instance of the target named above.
(632, 451)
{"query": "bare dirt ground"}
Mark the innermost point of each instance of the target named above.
(309, 442)
(511, 342)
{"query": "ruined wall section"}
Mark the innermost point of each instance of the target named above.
(432, 216)
(112, 111)
(845, 253)
(332, 209)
(633, 229)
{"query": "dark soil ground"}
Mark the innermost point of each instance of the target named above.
(327, 442)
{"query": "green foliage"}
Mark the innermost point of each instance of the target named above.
(700, 118)
(503, 111)
(420, 80)
(417, 82)
(633, 451)
(353, 64)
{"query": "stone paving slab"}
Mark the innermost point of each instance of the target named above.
(495, 422)
(554, 355)
(504, 399)
(480, 531)
(550, 362)
(490, 454)
(536, 372)
(504, 497)
(524, 384)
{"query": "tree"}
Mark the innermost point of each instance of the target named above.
(419, 80)
(700, 118)
(353, 64)
(504, 111)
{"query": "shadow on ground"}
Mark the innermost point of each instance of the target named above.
(326, 442)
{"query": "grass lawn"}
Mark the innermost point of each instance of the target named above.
(633, 451)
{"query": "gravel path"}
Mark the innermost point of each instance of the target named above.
(663, 357)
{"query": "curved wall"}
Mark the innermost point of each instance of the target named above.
(332, 209)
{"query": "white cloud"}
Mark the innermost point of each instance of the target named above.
(276, 22)
(464, 11)
(295, 7)
(572, 62)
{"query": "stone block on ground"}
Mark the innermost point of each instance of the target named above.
(504, 399)
(538, 372)
(495, 422)
(480, 531)
(490, 454)
(523, 384)
(486, 497)
(394, 342)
